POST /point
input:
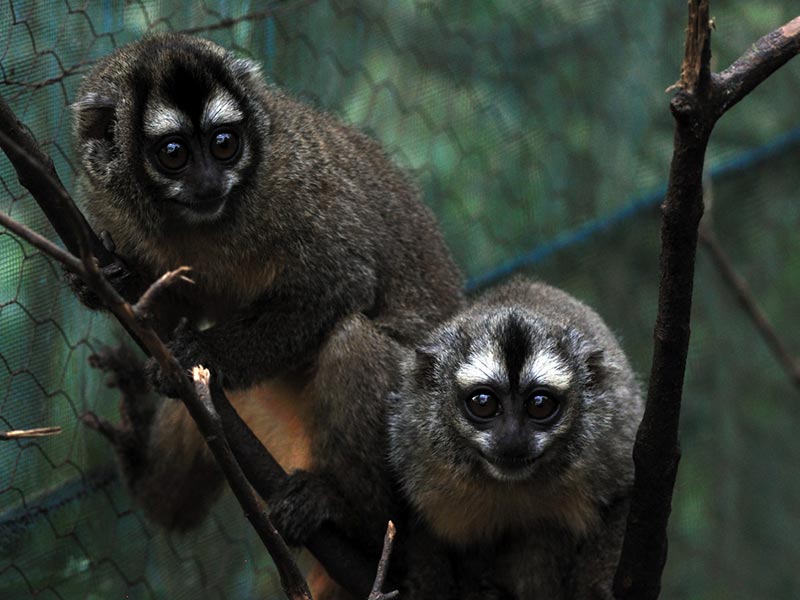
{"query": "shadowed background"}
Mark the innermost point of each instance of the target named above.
(539, 133)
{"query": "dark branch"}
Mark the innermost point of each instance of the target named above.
(31, 164)
(747, 301)
(763, 58)
(656, 453)
(36, 173)
(343, 561)
(209, 423)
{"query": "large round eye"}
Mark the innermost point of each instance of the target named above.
(224, 145)
(483, 405)
(542, 406)
(173, 155)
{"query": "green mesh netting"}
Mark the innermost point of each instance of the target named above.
(539, 133)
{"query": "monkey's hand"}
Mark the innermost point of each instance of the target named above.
(128, 283)
(186, 345)
(301, 505)
(118, 275)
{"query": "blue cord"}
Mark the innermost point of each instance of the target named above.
(739, 162)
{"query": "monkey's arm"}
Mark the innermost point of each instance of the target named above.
(278, 334)
(596, 563)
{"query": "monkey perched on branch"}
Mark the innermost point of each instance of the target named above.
(313, 262)
(512, 437)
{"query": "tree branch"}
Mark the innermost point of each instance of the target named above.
(749, 304)
(29, 433)
(208, 421)
(36, 173)
(23, 151)
(343, 561)
(696, 108)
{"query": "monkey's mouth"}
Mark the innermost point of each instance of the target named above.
(509, 469)
(198, 210)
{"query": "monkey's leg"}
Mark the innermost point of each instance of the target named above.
(165, 462)
(596, 563)
(348, 485)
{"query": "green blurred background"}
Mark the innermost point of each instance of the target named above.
(539, 132)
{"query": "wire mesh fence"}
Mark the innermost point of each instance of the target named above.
(539, 134)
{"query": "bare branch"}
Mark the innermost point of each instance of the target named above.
(43, 244)
(143, 309)
(695, 68)
(204, 414)
(763, 58)
(383, 566)
(749, 304)
(36, 173)
(29, 433)
(696, 108)
(343, 561)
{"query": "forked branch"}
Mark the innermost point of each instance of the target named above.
(701, 100)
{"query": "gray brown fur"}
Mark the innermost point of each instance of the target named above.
(556, 531)
(323, 262)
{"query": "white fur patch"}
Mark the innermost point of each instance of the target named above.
(220, 109)
(174, 189)
(482, 367)
(546, 368)
(160, 119)
(231, 179)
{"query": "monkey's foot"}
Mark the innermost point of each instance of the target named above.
(300, 506)
(137, 408)
(117, 274)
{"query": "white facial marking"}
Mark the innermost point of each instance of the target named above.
(546, 368)
(482, 367)
(231, 179)
(160, 119)
(221, 108)
(174, 189)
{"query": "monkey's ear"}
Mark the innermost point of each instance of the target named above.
(596, 367)
(245, 67)
(425, 360)
(95, 115)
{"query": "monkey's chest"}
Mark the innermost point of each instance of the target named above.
(277, 415)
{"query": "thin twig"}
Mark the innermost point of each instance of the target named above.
(383, 567)
(744, 295)
(143, 309)
(29, 433)
(697, 106)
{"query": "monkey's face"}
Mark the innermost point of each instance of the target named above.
(510, 389)
(194, 153)
(169, 133)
